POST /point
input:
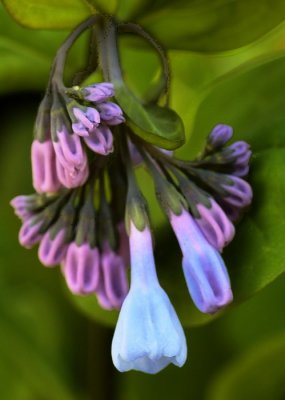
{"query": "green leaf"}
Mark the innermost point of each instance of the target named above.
(252, 101)
(128, 10)
(26, 56)
(257, 374)
(212, 25)
(107, 7)
(49, 14)
(157, 125)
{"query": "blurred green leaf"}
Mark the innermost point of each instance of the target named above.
(26, 56)
(49, 14)
(257, 374)
(255, 320)
(107, 7)
(128, 10)
(212, 25)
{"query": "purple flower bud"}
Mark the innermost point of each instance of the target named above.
(30, 233)
(114, 281)
(220, 135)
(204, 269)
(72, 178)
(241, 152)
(69, 151)
(87, 120)
(239, 194)
(100, 140)
(111, 113)
(52, 251)
(81, 268)
(21, 205)
(45, 178)
(215, 225)
(99, 92)
(232, 212)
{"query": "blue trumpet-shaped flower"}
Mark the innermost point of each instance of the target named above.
(204, 269)
(148, 334)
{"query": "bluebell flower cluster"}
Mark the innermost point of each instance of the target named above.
(89, 215)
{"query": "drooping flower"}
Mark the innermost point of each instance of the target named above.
(98, 92)
(72, 178)
(45, 177)
(87, 119)
(52, 250)
(204, 269)
(111, 113)
(238, 192)
(114, 282)
(30, 232)
(215, 225)
(148, 335)
(68, 149)
(88, 241)
(220, 135)
(81, 268)
(23, 205)
(100, 140)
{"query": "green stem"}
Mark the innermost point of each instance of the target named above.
(60, 59)
(130, 27)
(109, 51)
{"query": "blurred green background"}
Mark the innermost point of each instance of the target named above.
(228, 66)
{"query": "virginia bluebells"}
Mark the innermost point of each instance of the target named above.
(87, 141)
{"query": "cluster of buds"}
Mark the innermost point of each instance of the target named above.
(92, 251)
(84, 176)
(65, 128)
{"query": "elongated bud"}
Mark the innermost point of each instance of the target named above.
(84, 119)
(219, 136)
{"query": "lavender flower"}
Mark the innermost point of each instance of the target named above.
(72, 178)
(45, 177)
(30, 233)
(114, 282)
(81, 268)
(111, 113)
(100, 141)
(81, 228)
(241, 154)
(220, 135)
(87, 120)
(23, 206)
(148, 335)
(98, 92)
(52, 250)
(215, 225)
(204, 269)
(238, 193)
(68, 149)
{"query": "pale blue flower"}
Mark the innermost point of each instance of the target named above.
(148, 334)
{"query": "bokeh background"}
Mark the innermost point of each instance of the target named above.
(228, 66)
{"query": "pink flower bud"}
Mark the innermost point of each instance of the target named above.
(45, 177)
